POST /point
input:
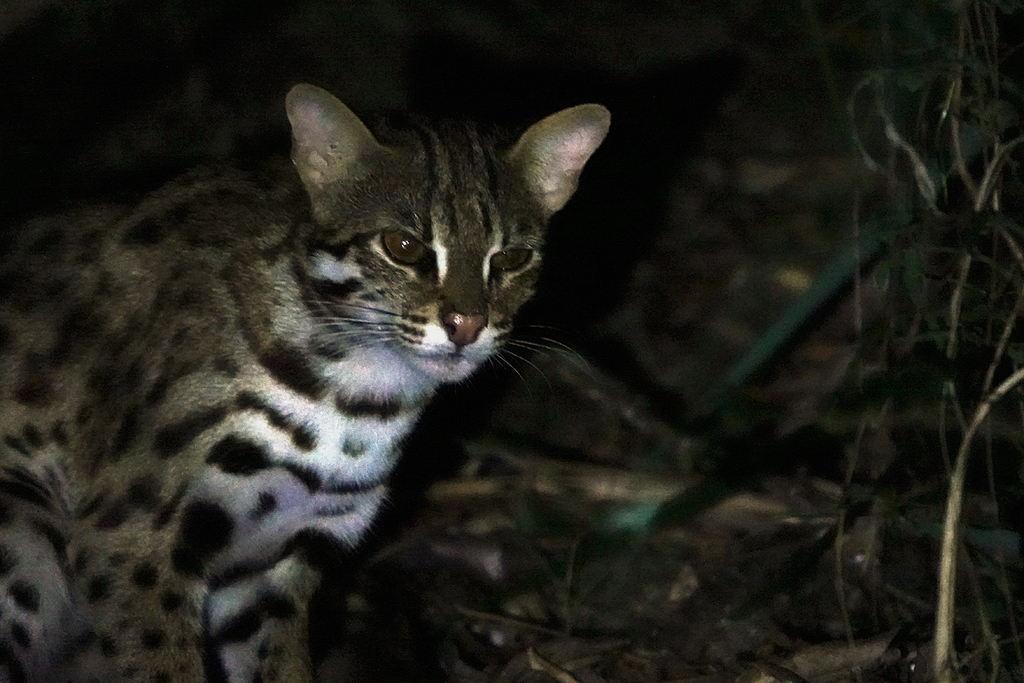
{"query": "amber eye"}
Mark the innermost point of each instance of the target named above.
(403, 247)
(510, 259)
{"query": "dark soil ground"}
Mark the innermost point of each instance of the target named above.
(620, 499)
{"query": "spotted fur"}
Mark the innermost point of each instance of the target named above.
(197, 388)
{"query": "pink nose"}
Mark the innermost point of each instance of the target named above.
(463, 329)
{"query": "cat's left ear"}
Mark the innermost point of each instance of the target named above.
(329, 142)
(552, 152)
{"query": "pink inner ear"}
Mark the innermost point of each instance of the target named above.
(308, 129)
(576, 148)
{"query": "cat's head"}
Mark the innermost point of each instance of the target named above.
(428, 240)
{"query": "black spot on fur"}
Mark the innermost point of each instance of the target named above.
(114, 516)
(79, 326)
(152, 639)
(159, 391)
(55, 537)
(290, 367)
(8, 560)
(125, 433)
(310, 479)
(241, 628)
(170, 601)
(205, 530)
(25, 596)
(48, 242)
(20, 635)
(29, 492)
(108, 646)
(277, 606)
(143, 493)
(33, 436)
(17, 444)
(60, 434)
(265, 504)
(147, 232)
(226, 366)
(172, 438)
(166, 513)
(9, 663)
(98, 588)
(81, 562)
(367, 407)
(144, 575)
(93, 504)
(35, 388)
(238, 456)
(353, 448)
(186, 562)
(303, 438)
(250, 401)
(318, 548)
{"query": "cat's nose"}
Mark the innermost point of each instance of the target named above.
(463, 329)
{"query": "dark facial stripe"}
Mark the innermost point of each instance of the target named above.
(173, 438)
(368, 407)
(336, 290)
(429, 142)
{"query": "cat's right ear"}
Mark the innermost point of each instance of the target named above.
(552, 152)
(329, 143)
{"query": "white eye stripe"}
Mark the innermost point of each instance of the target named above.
(441, 253)
(326, 267)
(495, 248)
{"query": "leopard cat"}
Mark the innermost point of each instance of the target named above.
(195, 388)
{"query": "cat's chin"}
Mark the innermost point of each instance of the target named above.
(448, 367)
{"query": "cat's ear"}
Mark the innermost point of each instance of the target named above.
(551, 153)
(329, 143)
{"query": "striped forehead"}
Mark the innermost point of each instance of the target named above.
(461, 196)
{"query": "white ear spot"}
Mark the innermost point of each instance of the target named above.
(552, 152)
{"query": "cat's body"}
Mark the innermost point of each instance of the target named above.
(195, 389)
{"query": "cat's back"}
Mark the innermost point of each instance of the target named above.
(97, 300)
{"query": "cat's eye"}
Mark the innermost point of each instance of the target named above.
(510, 259)
(403, 247)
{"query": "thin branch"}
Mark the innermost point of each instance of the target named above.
(944, 614)
(1004, 338)
(992, 170)
(954, 304)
